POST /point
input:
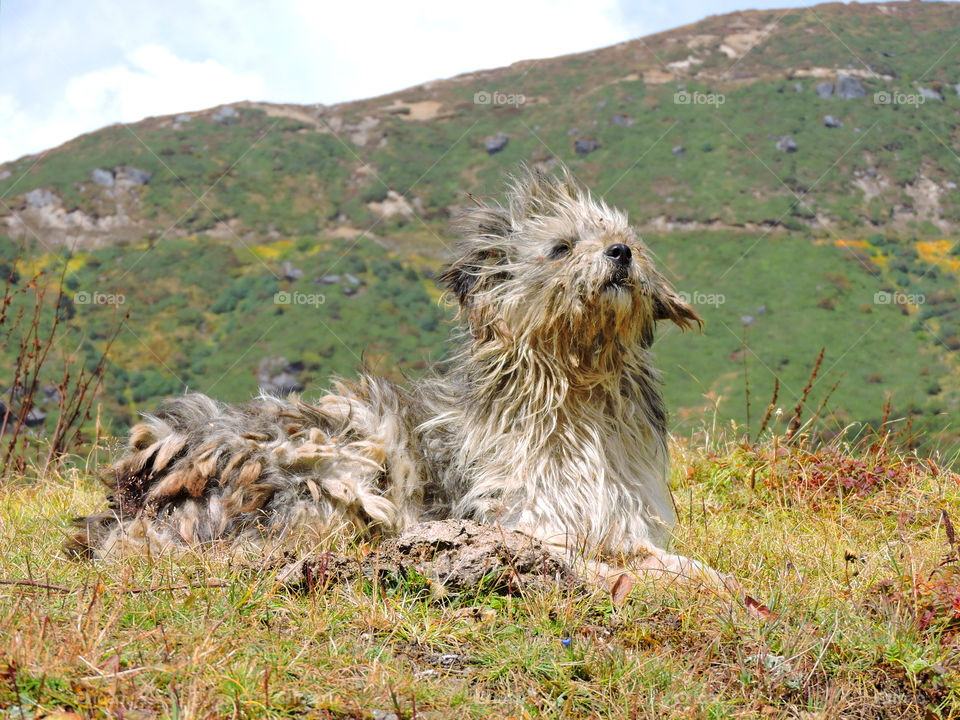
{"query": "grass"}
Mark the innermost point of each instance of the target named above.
(850, 614)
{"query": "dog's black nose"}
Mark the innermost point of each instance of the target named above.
(619, 253)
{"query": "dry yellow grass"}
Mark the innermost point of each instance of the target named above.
(837, 624)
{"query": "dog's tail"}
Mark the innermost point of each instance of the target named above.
(199, 471)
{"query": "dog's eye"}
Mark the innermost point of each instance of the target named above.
(560, 250)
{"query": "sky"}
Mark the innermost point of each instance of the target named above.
(69, 67)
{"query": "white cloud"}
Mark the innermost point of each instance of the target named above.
(150, 81)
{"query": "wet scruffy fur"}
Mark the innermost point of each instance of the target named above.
(547, 419)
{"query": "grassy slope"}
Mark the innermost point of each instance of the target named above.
(820, 641)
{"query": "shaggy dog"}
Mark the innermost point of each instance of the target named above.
(548, 418)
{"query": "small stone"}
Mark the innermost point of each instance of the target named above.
(798, 87)
(831, 122)
(825, 90)
(678, 150)
(786, 144)
(496, 143)
(585, 146)
(621, 120)
(849, 88)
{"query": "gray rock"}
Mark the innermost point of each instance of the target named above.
(225, 115)
(102, 177)
(182, 118)
(849, 88)
(601, 105)
(825, 90)
(678, 150)
(348, 291)
(383, 715)
(330, 279)
(621, 120)
(831, 122)
(786, 144)
(291, 271)
(576, 131)
(4, 174)
(133, 175)
(931, 94)
(276, 375)
(798, 86)
(496, 143)
(34, 417)
(585, 146)
(352, 279)
(40, 197)
(957, 88)
(283, 384)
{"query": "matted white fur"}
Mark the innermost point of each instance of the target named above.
(548, 418)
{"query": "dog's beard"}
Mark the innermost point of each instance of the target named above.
(589, 310)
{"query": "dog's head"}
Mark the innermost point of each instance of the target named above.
(556, 267)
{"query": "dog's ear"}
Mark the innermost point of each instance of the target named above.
(669, 305)
(483, 231)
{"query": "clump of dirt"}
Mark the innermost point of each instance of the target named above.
(452, 555)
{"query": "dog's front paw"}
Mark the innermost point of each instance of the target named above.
(683, 569)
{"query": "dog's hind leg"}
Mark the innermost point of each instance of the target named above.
(201, 472)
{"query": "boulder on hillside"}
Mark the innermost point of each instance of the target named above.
(290, 271)
(585, 146)
(225, 115)
(277, 376)
(133, 175)
(825, 90)
(102, 177)
(786, 144)
(849, 88)
(496, 143)
(931, 94)
(40, 197)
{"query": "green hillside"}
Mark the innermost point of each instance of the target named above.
(790, 232)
